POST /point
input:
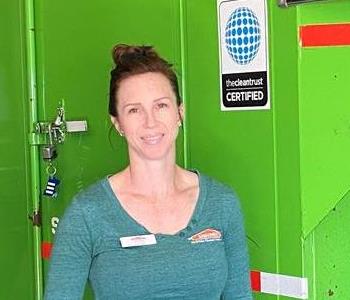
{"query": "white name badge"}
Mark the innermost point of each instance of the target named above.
(138, 240)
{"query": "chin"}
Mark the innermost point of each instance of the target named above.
(155, 152)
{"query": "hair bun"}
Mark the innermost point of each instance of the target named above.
(121, 52)
(133, 60)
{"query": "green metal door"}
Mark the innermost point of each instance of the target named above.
(73, 58)
(235, 147)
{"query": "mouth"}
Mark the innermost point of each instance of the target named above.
(152, 139)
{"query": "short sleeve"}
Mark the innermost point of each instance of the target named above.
(71, 256)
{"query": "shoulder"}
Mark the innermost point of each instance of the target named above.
(92, 193)
(86, 208)
(216, 185)
(221, 192)
(90, 200)
(221, 198)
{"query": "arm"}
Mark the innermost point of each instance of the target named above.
(238, 281)
(71, 257)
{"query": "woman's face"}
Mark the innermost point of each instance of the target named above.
(148, 115)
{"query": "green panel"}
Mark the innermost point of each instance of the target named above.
(257, 152)
(235, 147)
(74, 42)
(324, 117)
(324, 162)
(284, 76)
(16, 261)
(327, 251)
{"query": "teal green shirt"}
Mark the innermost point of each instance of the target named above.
(206, 260)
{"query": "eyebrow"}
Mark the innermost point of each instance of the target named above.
(131, 104)
(139, 103)
(162, 98)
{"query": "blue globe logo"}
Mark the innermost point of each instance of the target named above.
(242, 35)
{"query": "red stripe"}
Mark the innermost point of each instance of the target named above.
(255, 281)
(46, 250)
(325, 35)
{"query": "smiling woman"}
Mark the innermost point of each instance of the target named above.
(148, 115)
(153, 230)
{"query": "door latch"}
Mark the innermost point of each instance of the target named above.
(53, 133)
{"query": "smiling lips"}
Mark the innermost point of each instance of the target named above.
(152, 139)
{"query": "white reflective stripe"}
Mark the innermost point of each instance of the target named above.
(49, 192)
(284, 285)
(52, 188)
(51, 183)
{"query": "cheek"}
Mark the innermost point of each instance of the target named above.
(171, 124)
(129, 125)
(169, 117)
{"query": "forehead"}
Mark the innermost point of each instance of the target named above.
(144, 87)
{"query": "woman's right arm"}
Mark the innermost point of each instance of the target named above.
(71, 257)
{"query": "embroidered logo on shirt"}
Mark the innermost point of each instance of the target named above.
(207, 235)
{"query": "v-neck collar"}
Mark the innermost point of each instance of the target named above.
(139, 228)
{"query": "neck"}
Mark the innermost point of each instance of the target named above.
(155, 178)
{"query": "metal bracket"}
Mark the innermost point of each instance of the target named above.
(287, 3)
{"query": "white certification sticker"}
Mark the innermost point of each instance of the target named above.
(138, 240)
(244, 59)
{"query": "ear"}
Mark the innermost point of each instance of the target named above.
(115, 122)
(181, 112)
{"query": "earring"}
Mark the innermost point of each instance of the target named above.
(121, 133)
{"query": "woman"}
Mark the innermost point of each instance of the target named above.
(153, 230)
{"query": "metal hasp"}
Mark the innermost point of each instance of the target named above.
(286, 3)
(48, 135)
(53, 133)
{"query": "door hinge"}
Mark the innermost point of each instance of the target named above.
(36, 218)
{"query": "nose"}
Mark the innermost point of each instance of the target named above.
(150, 120)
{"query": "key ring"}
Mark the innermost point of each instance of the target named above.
(51, 170)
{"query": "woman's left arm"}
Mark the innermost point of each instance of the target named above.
(238, 281)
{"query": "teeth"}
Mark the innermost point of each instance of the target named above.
(152, 139)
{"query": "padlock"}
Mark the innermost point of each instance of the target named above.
(49, 152)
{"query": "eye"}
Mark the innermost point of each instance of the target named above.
(162, 105)
(133, 110)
